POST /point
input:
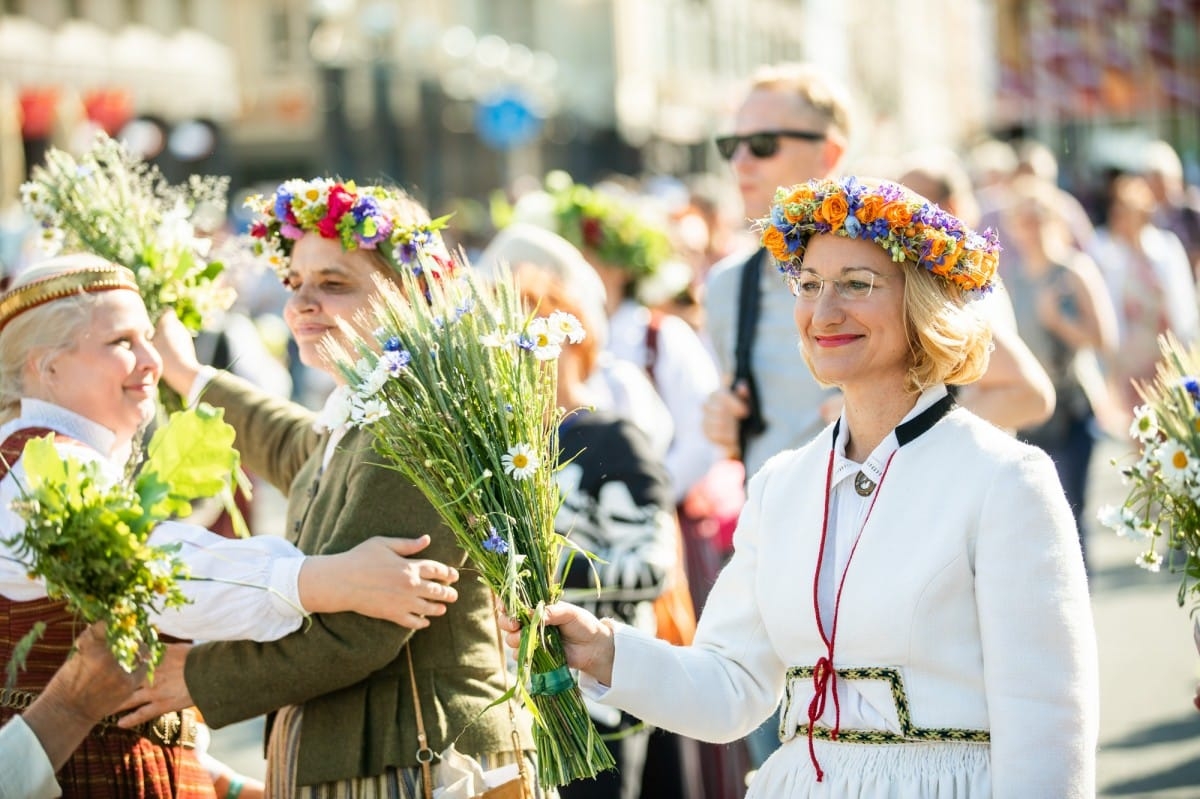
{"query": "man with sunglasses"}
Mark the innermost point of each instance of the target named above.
(792, 126)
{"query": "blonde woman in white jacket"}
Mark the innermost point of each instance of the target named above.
(909, 584)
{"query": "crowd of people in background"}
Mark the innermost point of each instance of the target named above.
(692, 374)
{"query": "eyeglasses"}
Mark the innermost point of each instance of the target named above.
(763, 143)
(809, 287)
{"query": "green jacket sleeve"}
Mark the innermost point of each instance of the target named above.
(357, 497)
(274, 437)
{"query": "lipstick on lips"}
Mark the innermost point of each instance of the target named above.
(836, 341)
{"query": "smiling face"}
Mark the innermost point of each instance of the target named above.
(327, 284)
(856, 344)
(110, 375)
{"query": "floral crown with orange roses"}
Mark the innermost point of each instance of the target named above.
(377, 218)
(906, 225)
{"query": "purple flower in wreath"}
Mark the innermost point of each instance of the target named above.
(371, 225)
(283, 206)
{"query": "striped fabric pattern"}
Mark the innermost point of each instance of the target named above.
(394, 783)
(111, 763)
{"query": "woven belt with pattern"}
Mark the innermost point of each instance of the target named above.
(909, 733)
(169, 729)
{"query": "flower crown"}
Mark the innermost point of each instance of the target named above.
(369, 217)
(907, 226)
(608, 226)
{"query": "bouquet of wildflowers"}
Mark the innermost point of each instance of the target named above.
(1162, 508)
(86, 536)
(110, 203)
(458, 384)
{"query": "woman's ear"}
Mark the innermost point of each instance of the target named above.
(37, 371)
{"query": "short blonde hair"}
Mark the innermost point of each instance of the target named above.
(815, 90)
(950, 342)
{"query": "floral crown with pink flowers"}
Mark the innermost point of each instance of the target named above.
(377, 218)
(906, 225)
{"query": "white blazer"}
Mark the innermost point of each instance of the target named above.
(968, 580)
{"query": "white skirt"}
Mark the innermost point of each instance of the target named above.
(938, 770)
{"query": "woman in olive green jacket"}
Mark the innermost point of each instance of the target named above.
(341, 692)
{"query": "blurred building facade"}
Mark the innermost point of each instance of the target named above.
(459, 97)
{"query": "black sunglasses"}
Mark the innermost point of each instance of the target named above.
(763, 143)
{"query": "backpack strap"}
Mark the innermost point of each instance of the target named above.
(749, 306)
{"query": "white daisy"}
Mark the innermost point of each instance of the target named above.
(1145, 529)
(368, 411)
(565, 326)
(541, 342)
(374, 380)
(1149, 560)
(1176, 464)
(1116, 517)
(49, 241)
(520, 461)
(1145, 424)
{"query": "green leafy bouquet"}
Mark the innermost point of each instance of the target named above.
(110, 203)
(457, 382)
(87, 537)
(1162, 507)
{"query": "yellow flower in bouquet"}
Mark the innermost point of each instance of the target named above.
(1162, 508)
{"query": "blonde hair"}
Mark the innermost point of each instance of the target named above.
(42, 332)
(950, 343)
(815, 90)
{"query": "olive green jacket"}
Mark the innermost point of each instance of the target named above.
(348, 671)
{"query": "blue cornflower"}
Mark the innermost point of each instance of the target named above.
(394, 361)
(494, 543)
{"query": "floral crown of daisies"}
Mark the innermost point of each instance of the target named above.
(907, 226)
(360, 217)
(607, 226)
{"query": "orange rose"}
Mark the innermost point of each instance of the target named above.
(869, 210)
(953, 253)
(897, 215)
(775, 242)
(833, 211)
(800, 194)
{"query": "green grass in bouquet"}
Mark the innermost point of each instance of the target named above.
(459, 390)
(1162, 507)
(110, 203)
(87, 537)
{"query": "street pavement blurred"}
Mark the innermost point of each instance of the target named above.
(1149, 668)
